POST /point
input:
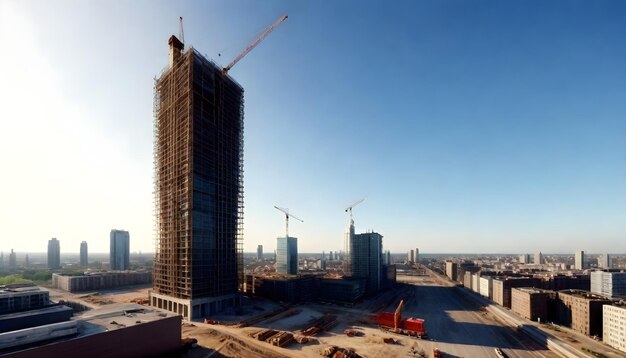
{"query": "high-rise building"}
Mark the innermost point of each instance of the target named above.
(348, 239)
(26, 261)
(12, 260)
(604, 261)
(524, 259)
(538, 258)
(84, 258)
(366, 260)
(388, 256)
(198, 159)
(1, 259)
(54, 254)
(417, 255)
(119, 252)
(330, 256)
(259, 252)
(287, 255)
(451, 270)
(608, 283)
(579, 260)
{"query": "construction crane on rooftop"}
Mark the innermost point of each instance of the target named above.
(349, 208)
(287, 215)
(253, 44)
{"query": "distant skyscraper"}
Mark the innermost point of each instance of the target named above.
(54, 254)
(604, 261)
(119, 251)
(259, 252)
(347, 258)
(287, 255)
(579, 260)
(538, 258)
(330, 256)
(417, 255)
(12, 260)
(1, 259)
(524, 259)
(26, 261)
(388, 256)
(84, 258)
(366, 261)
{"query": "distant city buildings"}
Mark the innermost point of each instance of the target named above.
(579, 260)
(417, 255)
(604, 261)
(581, 311)
(411, 256)
(609, 284)
(54, 254)
(84, 258)
(287, 255)
(531, 303)
(451, 270)
(524, 259)
(259, 252)
(119, 252)
(348, 238)
(538, 258)
(12, 260)
(366, 252)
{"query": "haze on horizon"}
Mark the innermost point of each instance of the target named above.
(469, 126)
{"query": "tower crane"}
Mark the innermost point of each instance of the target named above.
(349, 208)
(287, 215)
(253, 44)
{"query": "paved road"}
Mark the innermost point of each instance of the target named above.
(459, 328)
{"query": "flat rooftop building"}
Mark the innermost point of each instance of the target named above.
(116, 330)
(15, 298)
(614, 326)
(198, 193)
(531, 303)
(609, 283)
(100, 280)
(581, 310)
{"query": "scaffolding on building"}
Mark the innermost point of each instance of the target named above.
(198, 180)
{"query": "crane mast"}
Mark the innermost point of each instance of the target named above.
(287, 215)
(254, 44)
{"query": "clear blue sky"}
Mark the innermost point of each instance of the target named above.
(482, 126)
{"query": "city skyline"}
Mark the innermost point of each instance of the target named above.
(484, 143)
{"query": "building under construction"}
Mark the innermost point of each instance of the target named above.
(198, 196)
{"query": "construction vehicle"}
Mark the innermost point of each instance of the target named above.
(436, 353)
(393, 322)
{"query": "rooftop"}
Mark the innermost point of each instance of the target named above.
(585, 294)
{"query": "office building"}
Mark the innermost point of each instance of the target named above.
(417, 255)
(485, 286)
(614, 326)
(348, 239)
(608, 283)
(26, 261)
(524, 259)
(21, 297)
(84, 258)
(198, 159)
(502, 286)
(538, 258)
(411, 256)
(579, 260)
(100, 280)
(54, 254)
(114, 330)
(287, 255)
(451, 270)
(581, 311)
(531, 303)
(388, 258)
(366, 252)
(12, 260)
(259, 252)
(119, 253)
(604, 261)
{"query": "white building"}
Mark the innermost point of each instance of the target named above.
(475, 282)
(614, 326)
(579, 260)
(604, 261)
(538, 258)
(486, 283)
(610, 284)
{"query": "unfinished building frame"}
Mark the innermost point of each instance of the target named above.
(198, 194)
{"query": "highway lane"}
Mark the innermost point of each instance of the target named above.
(459, 328)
